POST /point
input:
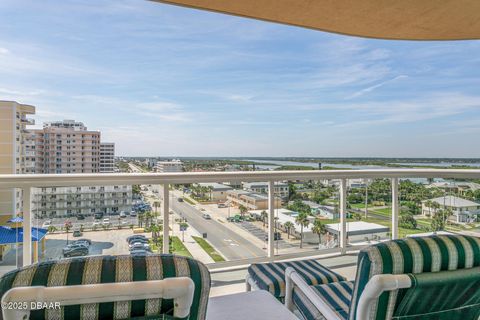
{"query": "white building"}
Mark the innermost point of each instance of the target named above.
(169, 166)
(360, 231)
(280, 189)
(54, 202)
(463, 210)
(328, 212)
(218, 192)
(107, 157)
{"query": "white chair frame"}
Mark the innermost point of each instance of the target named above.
(181, 289)
(374, 288)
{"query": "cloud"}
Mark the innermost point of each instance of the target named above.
(371, 88)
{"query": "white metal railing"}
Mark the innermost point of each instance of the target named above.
(28, 181)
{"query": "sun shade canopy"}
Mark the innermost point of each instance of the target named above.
(383, 19)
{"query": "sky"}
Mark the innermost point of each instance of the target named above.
(160, 80)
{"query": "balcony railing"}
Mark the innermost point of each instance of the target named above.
(27, 182)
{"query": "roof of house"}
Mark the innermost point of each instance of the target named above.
(215, 186)
(10, 235)
(453, 201)
(358, 228)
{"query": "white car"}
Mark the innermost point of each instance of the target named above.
(206, 216)
(47, 224)
(123, 214)
(106, 221)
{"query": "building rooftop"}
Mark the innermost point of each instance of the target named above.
(215, 186)
(453, 201)
(358, 228)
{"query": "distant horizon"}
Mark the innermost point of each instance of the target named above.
(304, 157)
(160, 79)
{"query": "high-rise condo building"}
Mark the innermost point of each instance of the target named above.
(17, 152)
(107, 157)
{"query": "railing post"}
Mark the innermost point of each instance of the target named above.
(271, 213)
(166, 213)
(27, 226)
(343, 215)
(395, 208)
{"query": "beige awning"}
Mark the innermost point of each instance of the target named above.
(386, 19)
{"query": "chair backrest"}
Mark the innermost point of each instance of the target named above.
(414, 255)
(108, 269)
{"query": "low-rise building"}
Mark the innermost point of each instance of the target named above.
(56, 202)
(462, 210)
(169, 166)
(217, 191)
(316, 209)
(457, 187)
(280, 189)
(250, 200)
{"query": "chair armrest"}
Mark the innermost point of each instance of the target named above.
(292, 279)
(376, 286)
(181, 289)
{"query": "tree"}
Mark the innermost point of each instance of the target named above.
(289, 226)
(52, 229)
(319, 229)
(68, 225)
(302, 220)
(141, 218)
(356, 216)
(264, 216)
(156, 205)
(243, 210)
(438, 221)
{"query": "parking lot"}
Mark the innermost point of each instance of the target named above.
(86, 222)
(103, 242)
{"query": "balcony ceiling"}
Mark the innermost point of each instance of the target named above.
(384, 19)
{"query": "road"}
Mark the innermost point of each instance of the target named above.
(229, 243)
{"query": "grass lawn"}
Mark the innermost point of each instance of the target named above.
(358, 205)
(209, 249)
(187, 199)
(178, 247)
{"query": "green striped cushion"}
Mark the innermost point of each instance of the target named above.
(411, 255)
(337, 295)
(107, 269)
(271, 276)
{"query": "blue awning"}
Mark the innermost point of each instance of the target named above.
(16, 220)
(9, 235)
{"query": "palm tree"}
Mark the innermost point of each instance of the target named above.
(302, 220)
(68, 225)
(320, 229)
(156, 205)
(288, 225)
(242, 209)
(264, 216)
(141, 218)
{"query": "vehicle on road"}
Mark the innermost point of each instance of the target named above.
(106, 221)
(47, 224)
(206, 216)
(77, 233)
(221, 205)
(75, 251)
(180, 199)
(98, 215)
(80, 217)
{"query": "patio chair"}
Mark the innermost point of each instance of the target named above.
(435, 277)
(130, 280)
(271, 276)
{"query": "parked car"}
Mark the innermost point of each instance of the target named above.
(206, 216)
(106, 221)
(221, 205)
(75, 251)
(141, 246)
(77, 233)
(136, 236)
(133, 213)
(84, 242)
(137, 240)
(180, 199)
(47, 224)
(80, 217)
(98, 215)
(123, 214)
(276, 236)
(139, 252)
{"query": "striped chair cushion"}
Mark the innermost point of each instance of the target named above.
(107, 269)
(336, 294)
(411, 255)
(271, 276)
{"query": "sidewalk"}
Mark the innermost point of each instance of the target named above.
(194, 248)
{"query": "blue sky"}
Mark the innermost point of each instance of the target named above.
(161, 80)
